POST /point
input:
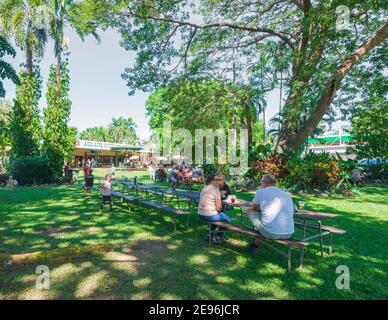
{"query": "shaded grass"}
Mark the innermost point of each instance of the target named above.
(149, 261)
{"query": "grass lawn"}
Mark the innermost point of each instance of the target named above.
(143, 259)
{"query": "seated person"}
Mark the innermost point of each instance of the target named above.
(197, 174)
(181, 167)
(273, 211)
(175, 176)
(161, 172)
(89, 179)
(187, 174)
(356, 177)
(225, 193)
(210, 209)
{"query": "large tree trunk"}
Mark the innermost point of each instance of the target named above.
(291, 139)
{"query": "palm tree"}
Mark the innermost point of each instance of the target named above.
(6, 69)
(123, 129)
(23, 20)
(64, 14)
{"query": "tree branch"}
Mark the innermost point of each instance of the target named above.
(229, 25)
(334, 83)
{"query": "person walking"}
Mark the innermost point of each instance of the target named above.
(107, 192)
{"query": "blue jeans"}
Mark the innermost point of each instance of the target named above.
(216, 218)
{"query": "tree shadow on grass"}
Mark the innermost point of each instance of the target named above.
(152, 262)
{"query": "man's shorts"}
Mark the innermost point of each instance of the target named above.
(255, 218)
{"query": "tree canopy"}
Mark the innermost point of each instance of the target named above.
(120, 130)
(203, 104)
(315, 44)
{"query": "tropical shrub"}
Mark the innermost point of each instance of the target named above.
(3, 178)
(31, 170)
(379, 171)
(244, 183)
(312, 172)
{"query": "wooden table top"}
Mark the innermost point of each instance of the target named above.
(313, 215)
(240, 203)
(305, 214)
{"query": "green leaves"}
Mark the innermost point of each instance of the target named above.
(6, 70)
(26, 130)
(59, 140)
(120, 130)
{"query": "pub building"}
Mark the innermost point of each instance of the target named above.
(106, 153)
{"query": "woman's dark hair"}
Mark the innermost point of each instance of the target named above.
(210, 178)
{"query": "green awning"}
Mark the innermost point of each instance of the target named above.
(330, 139)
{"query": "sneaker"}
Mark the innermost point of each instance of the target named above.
(252, 247)
(217, 240)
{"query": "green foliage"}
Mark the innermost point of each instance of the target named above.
(6, 70)
(380, 171)
(266, 38)
(25, 126)
(311, 172)
(315, 171)
(370, 129)
(5, 111)
(24, 21)
(31, 170)
(58, 138)
(202, 104)
(120, 130)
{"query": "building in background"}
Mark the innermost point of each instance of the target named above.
(332, 144)
(106, 153)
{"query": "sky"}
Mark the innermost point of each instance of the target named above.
(97, 90)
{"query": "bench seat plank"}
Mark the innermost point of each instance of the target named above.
(256, 234)
(324, 228)
(165, 208)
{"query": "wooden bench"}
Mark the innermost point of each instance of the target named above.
(174, 211)
(323, 231)
(120, 195)
(290, 243)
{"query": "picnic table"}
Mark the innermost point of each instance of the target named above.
(309, 221)
(239, 203)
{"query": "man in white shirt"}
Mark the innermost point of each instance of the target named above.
(272, 212)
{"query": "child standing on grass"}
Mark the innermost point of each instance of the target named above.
(89, 179)
(10, 183)
(106, 192)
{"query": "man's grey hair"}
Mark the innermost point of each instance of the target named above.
(269, 179)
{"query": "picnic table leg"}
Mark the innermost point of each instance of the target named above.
(210, 233)
(174, 222)
(301, 257)
(321, 237)
(289, 258)
(330, 243)
(303, 236)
